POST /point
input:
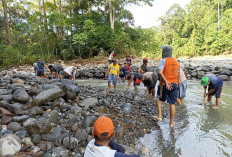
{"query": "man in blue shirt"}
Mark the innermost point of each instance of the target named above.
(122, 72)
(215, 85)
(41, 69)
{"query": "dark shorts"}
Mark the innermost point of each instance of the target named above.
(40, 73)
(169, 95)
(153, 85)
(217, 92)
(137, 82)
(66, 76)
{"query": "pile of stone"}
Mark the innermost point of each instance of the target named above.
(41, 117)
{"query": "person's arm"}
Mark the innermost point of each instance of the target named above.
(129, 83)
(210, 92)
(107, 72)
(168, 84)
(52, 74)
(46, 67)
(57, 75)
(118, 74)
(115, 146)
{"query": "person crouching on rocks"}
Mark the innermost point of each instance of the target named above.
(150, 79)
(113, 74)
(136, 78)
(102, 145)
(57, 69)
(70, 73)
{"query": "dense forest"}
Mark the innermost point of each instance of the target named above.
(70, 29)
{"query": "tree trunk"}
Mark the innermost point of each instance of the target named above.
(9, 41)
(45, 17)
(218, 16)
(61, 28)
(111, 14)
(105, 5)
(55, 10)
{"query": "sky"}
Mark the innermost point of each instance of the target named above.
(146, 16)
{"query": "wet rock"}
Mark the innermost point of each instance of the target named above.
(126, 108)
(20, 118)
(9, 145)
(89, 102)
(71, 91)
(21, 134)
(41, 126)
(36, 139)
(81, 135)
(72, 144)
(47, 96)
(52, 116)
(6, 98)
(60, 152)
(224, 77)
(14, 126)
(6, 119)
(89, 121)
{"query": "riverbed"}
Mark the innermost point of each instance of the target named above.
(199, 130)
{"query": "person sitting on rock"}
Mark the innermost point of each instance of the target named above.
(182, 86)
(215, 86)
(102, 145)
(113, 74)
(144, 67)
(41, 69)
(70, 73)
(111, 57)
(57, 69)
(136, 78)
(122, 72)
(129, 60)
(169, 70)
(150, 79)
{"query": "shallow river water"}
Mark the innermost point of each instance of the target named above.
(200, 131)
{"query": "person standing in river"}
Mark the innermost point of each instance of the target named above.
(113, 72)
(215, 86)
(182, 87)
(144, 67)
(41, 68)
(169, 70)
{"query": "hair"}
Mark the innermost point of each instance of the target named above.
(127, 56)
(106, 138)
(50, 66)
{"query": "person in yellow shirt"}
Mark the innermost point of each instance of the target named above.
(113, 74)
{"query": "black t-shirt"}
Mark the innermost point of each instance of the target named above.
(145, 68)
(134, 75)
(57, 68)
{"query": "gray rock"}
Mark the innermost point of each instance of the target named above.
(71, 91)
(60, 152)
(89, 121)
(28, 121)
(194, 74)
(47, 155)
(72, 144)
(126, 108)
(6, 119)
(200, 74)
(35, 111)
(81, 135)
(47, 137)
(47, 96)
(6, 98)
(68, 82)
(49, 86)
(52, 116)
(224, 77)
(20, 118)
(89, 102)
(226, 72)
(36, 139)
(41, 126)
(15, 107)
(20, 95)
(16, 86)
(9, 145)
(27, 141)
(14, 126)
(21, 134)
(4, 92)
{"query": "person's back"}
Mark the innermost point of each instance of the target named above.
(171, 70)
(214, 81)
(58, 68)
(40, 65)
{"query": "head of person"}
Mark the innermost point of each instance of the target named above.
(39, 59)
(205, 81)
(127, 57)
(141, 77)
(115, 62)
(145, 61)
(112, 52)
(103, 129)
(167, 51)
(120, 65)
(51, 67)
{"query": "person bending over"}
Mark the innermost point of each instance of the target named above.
(149, 79)
(136, 78)
(102, 145)
(70, 73)
(57, 69)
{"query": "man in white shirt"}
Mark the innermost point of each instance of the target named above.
(111, 57)
(70, 73)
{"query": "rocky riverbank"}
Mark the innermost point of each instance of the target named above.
(195, 68)
(41, 117)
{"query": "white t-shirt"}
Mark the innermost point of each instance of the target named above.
(98, 151)
(69, 70)
(111, 56)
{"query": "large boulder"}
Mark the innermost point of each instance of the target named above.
(4, 92)
(14, 126)
(41, 126)
(71, 91)
(20, 95)
(200, 74)
(71, 142)
(226, 72)
(6, 98)
(9, 145)
(49, 86)
(52, 116)
(126, 108)
(81, 135)
(68, 82)
(89, 102)
(224, 77)
(47, 96)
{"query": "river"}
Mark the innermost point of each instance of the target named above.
(200, 131)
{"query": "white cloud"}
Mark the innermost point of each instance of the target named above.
(146, 16)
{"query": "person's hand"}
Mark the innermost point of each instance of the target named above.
(169, 85)
(117, 78)
(205, 87)
(206, 94)
(105, 75)
(127, 88)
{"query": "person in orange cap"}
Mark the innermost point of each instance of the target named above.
(102, 144)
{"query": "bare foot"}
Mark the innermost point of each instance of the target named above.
(215, 107)
(172, 125)
(157, 118)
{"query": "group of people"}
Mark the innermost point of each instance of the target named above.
(60, 72)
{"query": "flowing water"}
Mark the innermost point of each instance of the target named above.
(200, 131)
